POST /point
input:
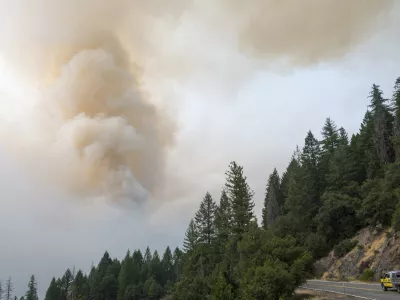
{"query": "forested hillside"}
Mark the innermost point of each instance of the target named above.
(331, 188)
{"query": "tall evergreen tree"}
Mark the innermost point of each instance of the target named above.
(330, 136)
(241, 197)
(287, 176)
(137, 266)
(104, 263)
(396, 108)
(53, 291)
(31, 293)
(191, 237)
(223, 219)
(177, 263)
(343, 137)
(205, 220)
(311, 176)
(79, 286)
(383, 126)
(273, 202)
(167, 267)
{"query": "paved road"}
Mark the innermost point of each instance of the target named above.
(366, 290)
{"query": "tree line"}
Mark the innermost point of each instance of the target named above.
(331, 188)
(7, 290)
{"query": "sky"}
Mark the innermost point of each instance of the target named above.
(225, 107)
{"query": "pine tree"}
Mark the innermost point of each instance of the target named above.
(343, 137)
(311, 176)
(53, 291)
(191, 237)
(137, 266)
(147, 264)
(287, 176)
(156, 268)
(205, 220)
(104, 263)
(31, 294)
(396, 108)
(223, 219)
(94, 284)
(177, 263)
(241, 197)
(66, 281)
(273, 201)
(79, 286)
(125, 275)
(383, 126)
(330, 137)
(167, 267)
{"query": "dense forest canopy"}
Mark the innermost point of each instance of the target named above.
(331, 188)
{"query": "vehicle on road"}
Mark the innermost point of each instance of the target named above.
(391, 280)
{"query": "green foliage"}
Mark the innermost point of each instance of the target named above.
(273, 202)
(241, 198)
(31, 294)
(396, 218)
(367, 275)
(344, 247)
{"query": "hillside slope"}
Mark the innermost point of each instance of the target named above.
(377, 249)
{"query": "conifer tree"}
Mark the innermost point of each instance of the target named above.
(241, 197)
(396, 108)
(177, 263)
(205, 220)
(124, 276)
(137, 266)
(343, 137)
(383, 126)
(191, 237)
(330, 136)
(287, 176)
(273, 201)
(223, 219)
(156, 268)
(53, 291)
(167, 267)
(79, 286)
(31, 294)
(148, 257)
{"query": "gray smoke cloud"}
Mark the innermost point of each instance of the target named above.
(95, 123)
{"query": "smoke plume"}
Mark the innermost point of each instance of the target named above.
(97, 65)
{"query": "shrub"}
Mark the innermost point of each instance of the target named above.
(344, 247)
(367, 275)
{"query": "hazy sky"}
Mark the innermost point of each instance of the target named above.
(228, 111)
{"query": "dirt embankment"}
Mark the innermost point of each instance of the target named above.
(377, 250)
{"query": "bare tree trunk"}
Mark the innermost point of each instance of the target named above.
(9, 289)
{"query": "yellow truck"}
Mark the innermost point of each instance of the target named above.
(391, 280)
